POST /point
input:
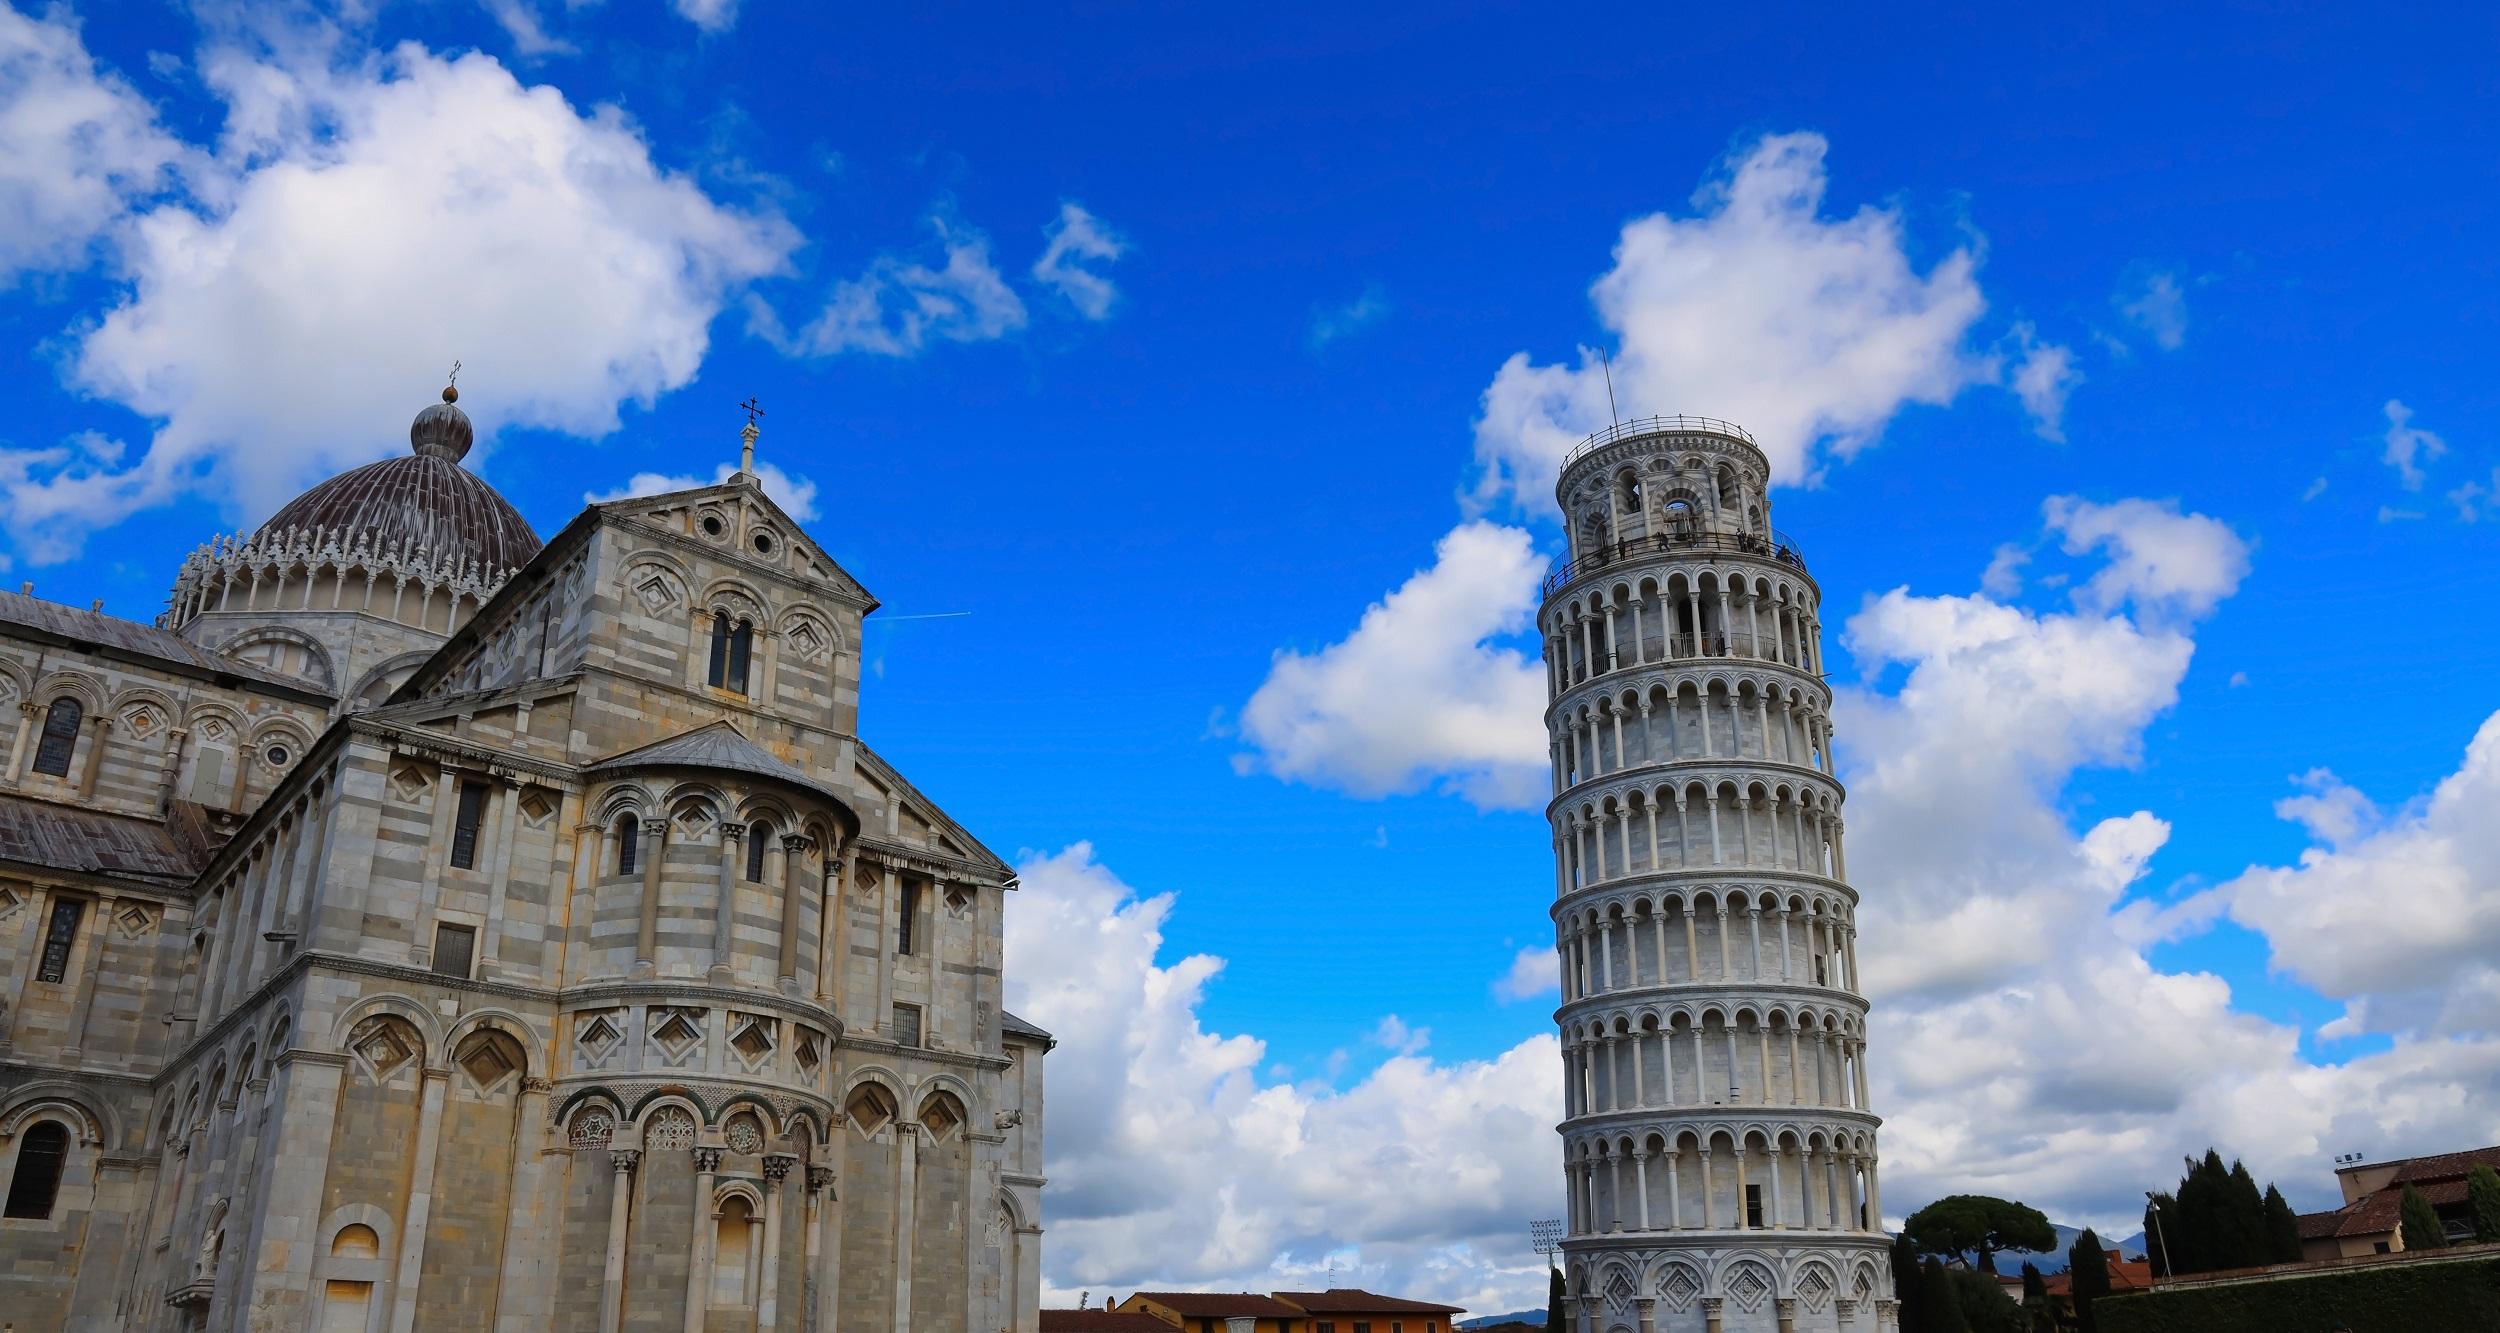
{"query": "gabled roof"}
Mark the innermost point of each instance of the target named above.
(738, 487)
(1219, 1304)
(886, 775)
(64, 837)
(721, 748)
(1355, 1300)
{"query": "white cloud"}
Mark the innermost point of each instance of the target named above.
(2313, 490)
(1331, 323)
(710, 15)
(2409, 446)
(795, 495)
(2003, 577)
(1074, 238)
(1812, 332)
(77, 144)
(1532, 973)
(369, 226)
(2391, 514)
(2043, 378)
(2156, 305)
(1393, 1033)
(2471, 498)
(2159, 558)
(520, 22)
(1172, 1160)
(898, 307)
(1418, 692)
(2397, 914)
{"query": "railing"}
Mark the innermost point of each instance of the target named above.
(1624, 430)
(1684, 647)
(1778, 546)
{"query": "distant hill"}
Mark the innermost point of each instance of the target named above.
(2055, 1260)
(1532, 1318)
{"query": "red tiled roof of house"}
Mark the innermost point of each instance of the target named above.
(2320, 1226)
(1219, 1304)
(2124, 1275)
(2445, 1166)
(1355, 1300)
(1100, 1321)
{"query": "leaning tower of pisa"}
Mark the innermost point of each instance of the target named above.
(1717, 1145)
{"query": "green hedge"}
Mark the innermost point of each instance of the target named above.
(2410, 1299)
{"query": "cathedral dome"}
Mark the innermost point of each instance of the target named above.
(424, 502)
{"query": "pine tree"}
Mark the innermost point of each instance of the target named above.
(2282, 1229)
(2419, 1222)
(2088, 1267)
(1939, 1309)
(2482, 1198)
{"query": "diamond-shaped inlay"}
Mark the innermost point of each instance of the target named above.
(676, 1034)
(754, 1038)
(142, 721)
(487, 1064)
(133, 921)
(10, 901)
(378, 1043)
(599, 1034)
(1748, 1287)
(807, 643)
(535, 808)
(810, 1052)
(410, 783)
(1619, 1291)
(1681, 1286)
(1814, 1289)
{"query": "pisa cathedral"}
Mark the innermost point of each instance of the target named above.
(421, 927)
(1718, 1150)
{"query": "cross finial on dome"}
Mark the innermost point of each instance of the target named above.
(746, 437)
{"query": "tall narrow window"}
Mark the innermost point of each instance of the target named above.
(454, 949)
(628, 842)
(757, 834)
(40, 1157)
(908, 915)
(741, 650)
(59, 936)
(719, 677)
(465, 823)
(906, 1024)
(60, 736)
(1753, 1206)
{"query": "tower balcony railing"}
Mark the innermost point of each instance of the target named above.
(1777, 546)
(1639, 426)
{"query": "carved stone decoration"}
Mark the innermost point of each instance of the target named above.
(744, 1138)
(670, 1129)
(591, 1128)
(1007, 1119)
(707, 1160)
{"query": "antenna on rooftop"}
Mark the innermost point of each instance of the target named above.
(1607, 364)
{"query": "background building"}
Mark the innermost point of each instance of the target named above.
(2369, 1223)
(423, 928)
(1718, 1150)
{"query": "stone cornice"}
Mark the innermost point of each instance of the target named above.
(1683, 772)
(599, 993)
(1682, 997)
(1705, 1120)
(1676, 671)
(1626, 891)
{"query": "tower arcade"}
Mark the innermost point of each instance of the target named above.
(1717, 1146)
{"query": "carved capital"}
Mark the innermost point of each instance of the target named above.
(819, 1178)
(707, 1160)
(624, 1159)
(777, 1166)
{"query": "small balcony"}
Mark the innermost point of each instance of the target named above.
(1778, 546)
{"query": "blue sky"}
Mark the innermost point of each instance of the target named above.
(1294, 249)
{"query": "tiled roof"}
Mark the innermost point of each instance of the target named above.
(130, 638)
(1101, 1321)
(1021, 1028)
(1355, 1300)
(421, 501)
(2124, 1275)
(2447, 1165)
(1219, 1304)
(67, 838)
(2320, 1226)
(719, 747)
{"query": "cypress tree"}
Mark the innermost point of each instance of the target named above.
(2419, 1222)
(2482, 1196)
(2161, 1233)
(1939, 1309)
(2282, 1229)
(2246, 1209)
(2036, 1300)
(1905, 1282)
(1556, 1321)
(2088, 1267)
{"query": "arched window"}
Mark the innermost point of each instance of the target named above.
(40, 1156)
(60, 736)
(628, 842)
(733, 646)
(731, 1252)
(757, 834)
